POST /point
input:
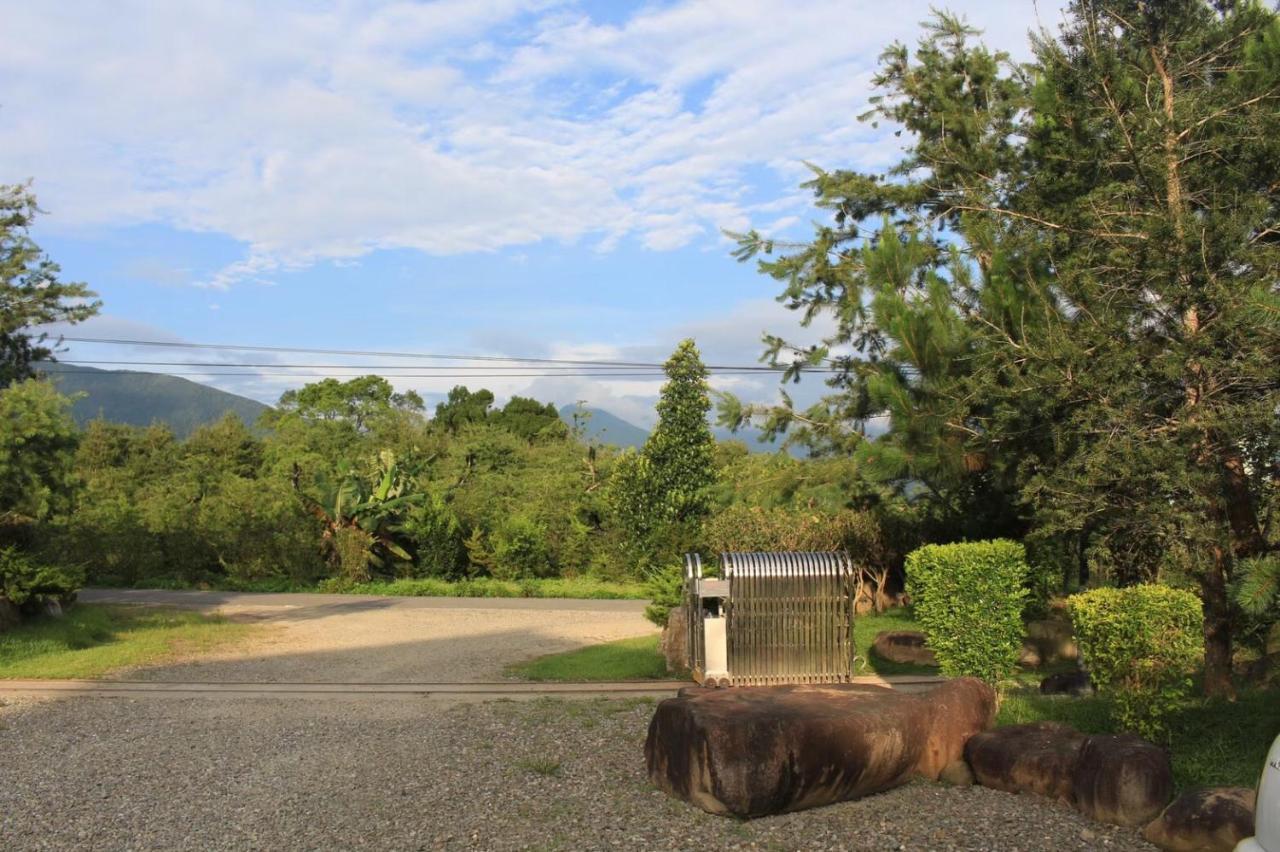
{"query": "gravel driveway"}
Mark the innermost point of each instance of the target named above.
(365, 639)
(176, 773)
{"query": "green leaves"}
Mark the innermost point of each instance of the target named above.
(969, 597)
(1142, 643)
(30, 292)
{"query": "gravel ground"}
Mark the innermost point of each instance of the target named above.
(389, 640)
(105, 774)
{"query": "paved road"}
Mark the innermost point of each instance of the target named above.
(313, 638)
(212, 600)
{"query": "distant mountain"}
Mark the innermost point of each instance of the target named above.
(607, 428)
(145, 398)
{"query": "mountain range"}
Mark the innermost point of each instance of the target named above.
(140, 399)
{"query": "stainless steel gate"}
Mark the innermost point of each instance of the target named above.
(772, 618)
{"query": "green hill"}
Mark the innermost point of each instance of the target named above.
(606, 428)
(145, 398)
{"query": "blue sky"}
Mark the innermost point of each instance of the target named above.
(500, 177)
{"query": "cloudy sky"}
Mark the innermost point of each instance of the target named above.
(499, 177)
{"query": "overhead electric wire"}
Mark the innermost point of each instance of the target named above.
(265, 374)
(417, 355)
(266, 365)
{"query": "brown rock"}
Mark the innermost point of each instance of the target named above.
(903, 646)
(1029, 656)
(1208, 820)
(1038, 758)
(1075, 683)
(1123, 780)
(1053, 639)
(752, 751)
(674, 643)
(957, 773)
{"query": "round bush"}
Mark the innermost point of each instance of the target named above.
(1142, 643)
(969, 598)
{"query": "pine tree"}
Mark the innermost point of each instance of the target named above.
(660, 491)
(30, 292)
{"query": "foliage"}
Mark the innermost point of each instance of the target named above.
(1062, 296)
(664, 587)
(37, 443)
(360, 517)
(30, 292)
(755, 529)
(969, 599)
(487, 587)
(357, 402)
(1142, 643)
(27, 583)
(520, 550)
(92, 641)
(435, 535)
(659, 495)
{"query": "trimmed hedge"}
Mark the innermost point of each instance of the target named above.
(1144, 644)
(969, 598)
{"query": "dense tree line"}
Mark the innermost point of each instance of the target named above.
(1063, 298)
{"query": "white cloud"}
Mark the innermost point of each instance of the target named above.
(310, 131)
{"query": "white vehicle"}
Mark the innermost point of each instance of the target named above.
(1266, 819)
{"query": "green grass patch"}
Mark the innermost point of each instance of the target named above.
(624, 659)
(91, 641)
(540, 766)
(1212, 742)
(486, 587)
(865, 628)
(583, 588)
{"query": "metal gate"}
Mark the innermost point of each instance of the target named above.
(787, 618)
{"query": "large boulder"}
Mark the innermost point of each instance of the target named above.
(1075, 683)
(1038, 758)
(753, 751)
(1123, 780)
(1214, 819)
(674, 643)
(903, 646)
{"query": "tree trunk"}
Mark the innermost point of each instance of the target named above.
(1217, 627)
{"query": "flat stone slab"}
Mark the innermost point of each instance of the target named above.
(754, 751)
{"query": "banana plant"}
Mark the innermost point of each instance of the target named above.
(373, 504)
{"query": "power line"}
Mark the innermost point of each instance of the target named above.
(268, 374)
(604, 371)
(418, 355)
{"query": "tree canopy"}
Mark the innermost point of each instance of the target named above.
(31, 293)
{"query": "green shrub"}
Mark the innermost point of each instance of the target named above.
(744, 528)
(520, 550)
(437, 539)
(969, 598)
(27, 584)
(665, 588)
(352, 549)
(1144, 644)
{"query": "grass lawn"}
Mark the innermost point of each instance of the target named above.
(91, 641)
(865, 628)
(1212, 742)
(584, 588)
(624, 659)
